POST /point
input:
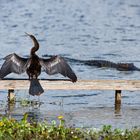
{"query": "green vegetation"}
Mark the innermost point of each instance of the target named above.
(10, 129)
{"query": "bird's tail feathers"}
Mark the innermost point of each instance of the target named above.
(35, 88)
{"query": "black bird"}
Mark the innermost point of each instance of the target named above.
(33, 65)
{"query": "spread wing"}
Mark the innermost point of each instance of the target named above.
(13, 63)
(57, 64)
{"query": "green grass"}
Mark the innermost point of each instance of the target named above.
(10, 129)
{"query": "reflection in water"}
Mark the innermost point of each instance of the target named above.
(12, 109)
(34, 115)
(117, 109)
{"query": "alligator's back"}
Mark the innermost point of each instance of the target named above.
(100, 63)
(109, 64)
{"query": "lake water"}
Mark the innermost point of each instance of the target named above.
(79, 29)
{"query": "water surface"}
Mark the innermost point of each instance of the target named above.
(79, 29)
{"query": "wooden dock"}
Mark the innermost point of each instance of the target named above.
(55, 84)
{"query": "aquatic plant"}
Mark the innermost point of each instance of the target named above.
(11, 129)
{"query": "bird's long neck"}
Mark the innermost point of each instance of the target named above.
(36, 46)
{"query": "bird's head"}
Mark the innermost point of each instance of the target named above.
(35, 42)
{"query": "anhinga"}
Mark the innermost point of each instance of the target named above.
(32, 65)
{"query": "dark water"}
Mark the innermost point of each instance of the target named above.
(79, 29)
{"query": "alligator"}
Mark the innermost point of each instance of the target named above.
(103, 63)
(109, 64)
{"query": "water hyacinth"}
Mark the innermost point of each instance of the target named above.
(11, 129)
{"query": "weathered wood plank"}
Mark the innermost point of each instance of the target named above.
(118, 97)
(11, 95)
(68, 85)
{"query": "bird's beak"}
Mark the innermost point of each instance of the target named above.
(27, 34)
